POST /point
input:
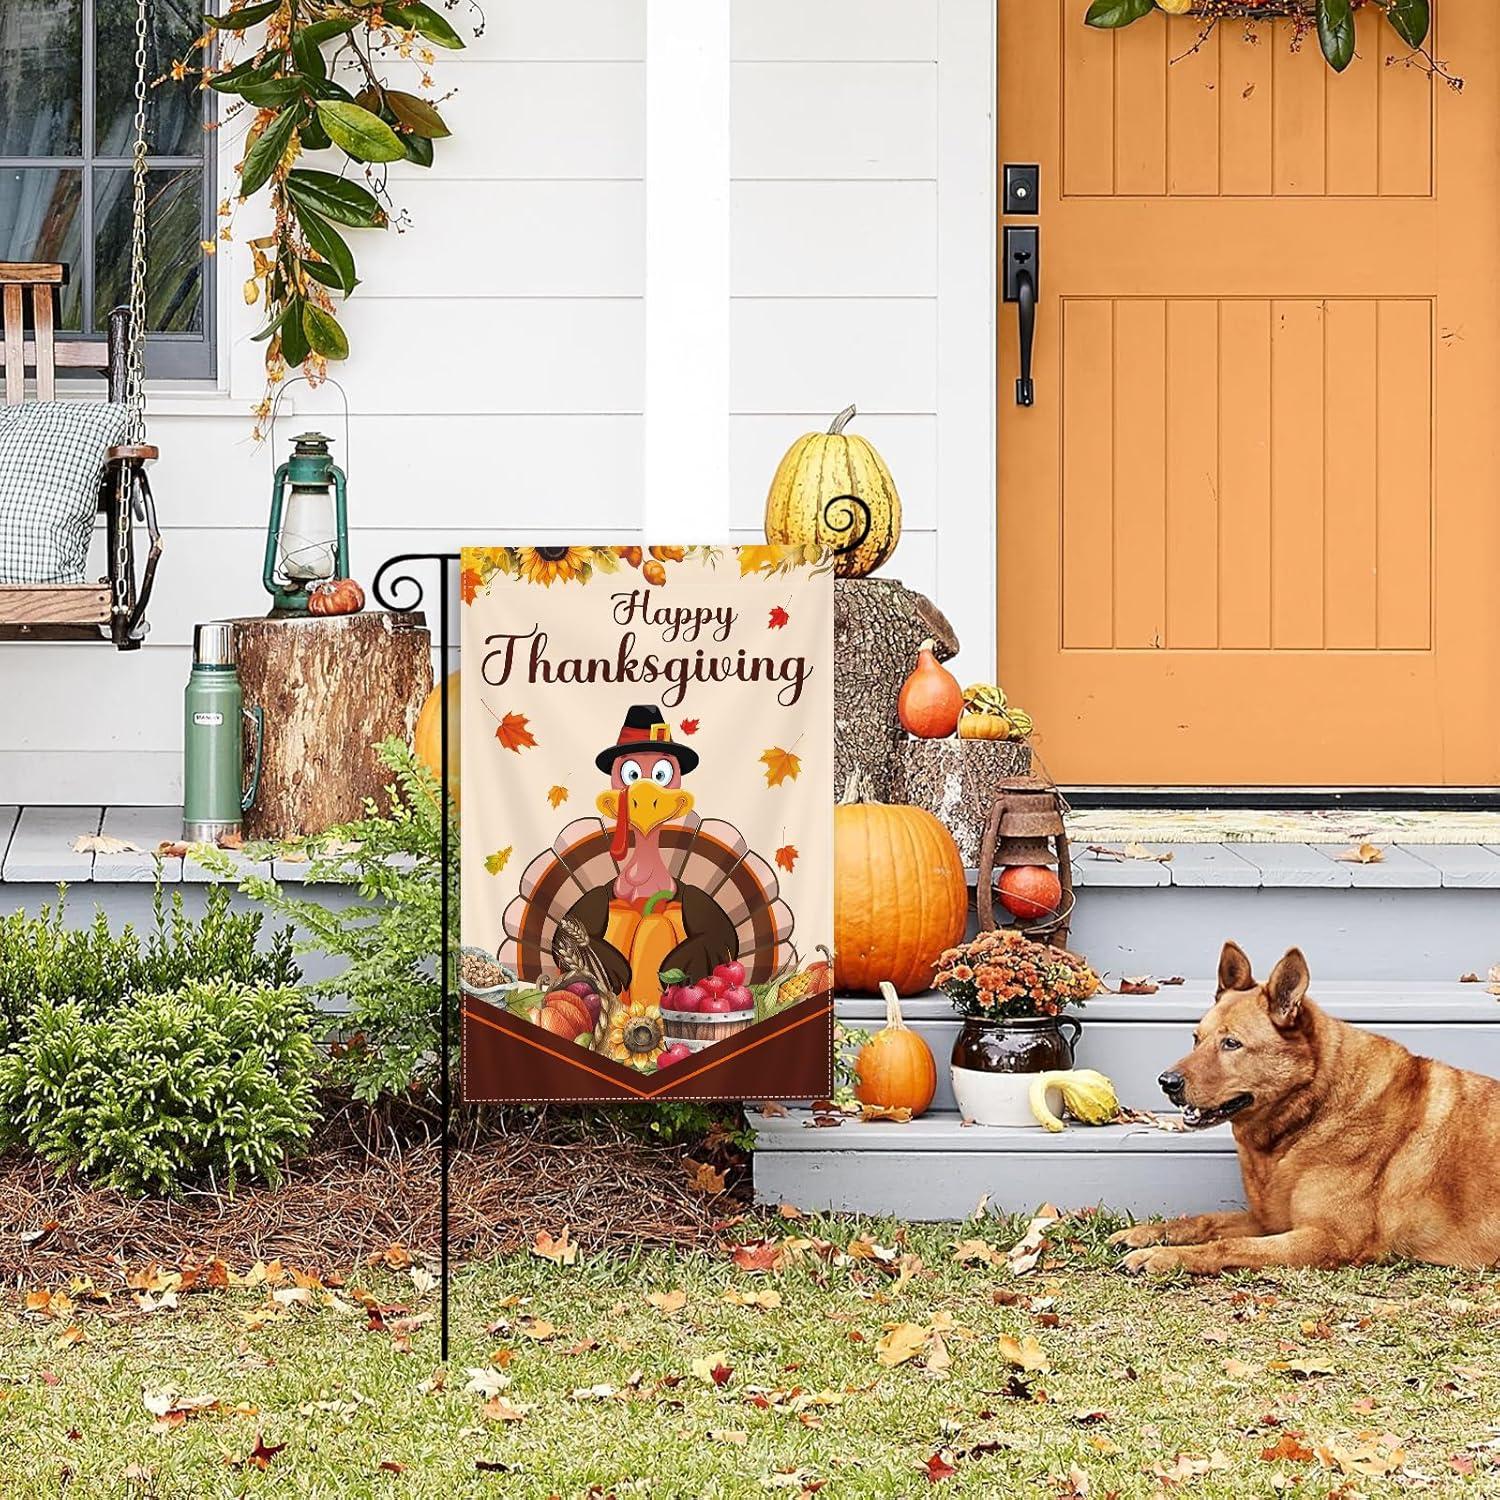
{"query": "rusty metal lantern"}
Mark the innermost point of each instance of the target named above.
(1026, 827)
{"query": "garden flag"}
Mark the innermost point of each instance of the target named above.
(647, 823)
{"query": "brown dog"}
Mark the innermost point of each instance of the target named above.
(1351, 1147)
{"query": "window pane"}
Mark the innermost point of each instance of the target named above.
(174, 111)
(41, 75)
(41, 218)
(174, 258)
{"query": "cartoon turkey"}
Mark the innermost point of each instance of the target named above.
(653, 886)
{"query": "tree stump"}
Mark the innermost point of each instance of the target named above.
(332, 687)
(957, 782)
(878, 625)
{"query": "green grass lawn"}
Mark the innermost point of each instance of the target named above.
(693, 1376)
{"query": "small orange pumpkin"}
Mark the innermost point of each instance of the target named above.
(931, 699)
(896, 1068)
(900, 896)
(336, 596)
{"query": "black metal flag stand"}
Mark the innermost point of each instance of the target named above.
(397, 590)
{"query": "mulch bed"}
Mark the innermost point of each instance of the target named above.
(353, 1197)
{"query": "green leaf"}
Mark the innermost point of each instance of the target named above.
(1107, 14)
(246, 16)
(313, 136)
(424, 19)
(323, 332)
(272, 326)
(1336, 32)
(262, 157)
(294, 345)
(418, 149)
(319, 32)
(364, 136)
(325, 239)
(335, 198)
(1411, 18)
(321, 271)
(272, 93)
(416, 115)
(308, 54)
(249, 71)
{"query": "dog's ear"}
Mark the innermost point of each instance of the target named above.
(1286, 989)
(1234, 971)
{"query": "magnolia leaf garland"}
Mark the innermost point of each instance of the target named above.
(1334, 19)
(288, 86)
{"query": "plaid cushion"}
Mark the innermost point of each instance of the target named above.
(51, 457)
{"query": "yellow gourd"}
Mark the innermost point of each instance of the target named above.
(1088, 1096)
(833, 489)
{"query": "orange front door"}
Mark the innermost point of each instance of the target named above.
(1249, 533)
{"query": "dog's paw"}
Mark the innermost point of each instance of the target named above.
(1154, 1260)
(1139, 1235)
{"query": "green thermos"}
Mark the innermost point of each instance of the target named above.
(214, 797)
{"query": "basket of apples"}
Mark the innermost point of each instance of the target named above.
(698, 1014)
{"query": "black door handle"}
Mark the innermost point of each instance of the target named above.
(1022, 253)
(1026, 298)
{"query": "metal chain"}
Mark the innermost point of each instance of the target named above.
(135, 368)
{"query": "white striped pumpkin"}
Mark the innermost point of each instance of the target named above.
(833, 490)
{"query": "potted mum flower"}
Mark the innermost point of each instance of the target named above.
(1011, 993)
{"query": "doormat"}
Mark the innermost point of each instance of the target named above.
(1334, 825)
(647, 823)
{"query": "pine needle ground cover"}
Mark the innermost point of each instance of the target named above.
(797, 1356)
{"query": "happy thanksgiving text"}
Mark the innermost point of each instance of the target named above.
(676, 625)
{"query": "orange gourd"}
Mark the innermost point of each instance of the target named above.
(896, 1068)
(900, 896)
(338, 596)
(931, 699)
(645, 935)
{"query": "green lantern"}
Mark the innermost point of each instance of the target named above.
(307, 537)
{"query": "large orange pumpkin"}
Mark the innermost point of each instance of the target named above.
(899, 895)
(427, 737)
(896, 1068)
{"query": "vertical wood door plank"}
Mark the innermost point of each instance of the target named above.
(1403, 523)
(1353, 115)
(1088, 86)
(1087, 567)
(1245, 117)
(1349, 556)
(1192, 109)
(1298, 115)
(1406, 110)
(1297, 474)
(1141, 108)
(1245, 474)
(1192, 473)
(1141, 414)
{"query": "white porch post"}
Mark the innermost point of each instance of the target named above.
(687, 271)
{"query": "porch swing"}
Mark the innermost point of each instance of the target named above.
(114, 607)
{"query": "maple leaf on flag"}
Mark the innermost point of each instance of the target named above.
(779, 617)
(690, 726)
(786, 857)
(497, 861)
(513, 733)
(557, 796)
(468, 584)
(781, 765)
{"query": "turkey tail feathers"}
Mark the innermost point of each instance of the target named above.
(577, 863)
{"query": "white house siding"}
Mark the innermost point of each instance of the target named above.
(497, 383)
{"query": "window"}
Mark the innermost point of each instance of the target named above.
(67, 127)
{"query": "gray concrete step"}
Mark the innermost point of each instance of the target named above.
(937, 1168)
(1133, 1038)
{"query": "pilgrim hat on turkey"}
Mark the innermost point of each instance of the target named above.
(645, 729)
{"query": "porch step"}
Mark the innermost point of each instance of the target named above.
(1133, 1038)
(1423, 911)
(937, 1168)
